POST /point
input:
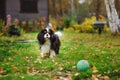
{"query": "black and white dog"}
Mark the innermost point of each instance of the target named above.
(49, 42)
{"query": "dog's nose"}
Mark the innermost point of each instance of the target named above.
(46, 34)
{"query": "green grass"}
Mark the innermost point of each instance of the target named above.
(23, 62)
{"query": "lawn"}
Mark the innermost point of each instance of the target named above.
(21, 61)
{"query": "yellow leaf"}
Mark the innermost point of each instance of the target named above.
(76, 74)
(94, 69)
(98, 76)
(106, 78)
(94, 77)
(60, 68)
(1, 69)
(73, 67)
(116, 70)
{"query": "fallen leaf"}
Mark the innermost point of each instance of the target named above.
(106, 78)
(10, 59)
(94, 77)
(76, 74)
(116, 70)
(73, 67)
(22, 77)
(0, 75)
(59, 73)
(38, 60)
(60, 68)
(14, 68)
(103, 52)
(109, 47)
(25, 58)
(32, 71)
(1, 69)
(56, 63)
(98, 76)
(94, 69)
(66, 77)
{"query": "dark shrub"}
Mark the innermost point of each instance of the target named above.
(14, 30)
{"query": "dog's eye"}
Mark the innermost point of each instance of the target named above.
(45, 31)
(49, 32)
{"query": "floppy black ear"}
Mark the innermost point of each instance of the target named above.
(40, 38)
(52, 38)
(51, 31)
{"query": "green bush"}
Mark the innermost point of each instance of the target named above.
(86, 26)
(72, 23)
(67, 21)
(14, 30)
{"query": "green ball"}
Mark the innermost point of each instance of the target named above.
(82, 65)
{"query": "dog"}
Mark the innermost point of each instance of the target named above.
(49, 43)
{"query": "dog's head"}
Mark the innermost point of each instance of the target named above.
(47, 33)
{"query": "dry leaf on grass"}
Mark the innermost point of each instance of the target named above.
(94, 69)
(66, 77)
(1, 69)
(76, 74)
(94, 77)
(106, 78)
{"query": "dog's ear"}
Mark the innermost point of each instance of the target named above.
(40, 38)
(52, 38)
(51, 31)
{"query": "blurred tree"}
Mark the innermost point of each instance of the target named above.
(72, 8)
(96, 7)
(61, 7)
(52, 7)
(113, 17)
(117, 5)
(82, 12)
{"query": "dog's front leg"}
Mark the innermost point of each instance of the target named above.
(42, 55)
(52, 54)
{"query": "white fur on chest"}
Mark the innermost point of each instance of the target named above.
(45, 48)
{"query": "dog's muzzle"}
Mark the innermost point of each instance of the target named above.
(47, 36)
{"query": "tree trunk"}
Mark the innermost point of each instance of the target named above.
(115, 15)
(72, 8)
(54, 7)
(98, 9)
(113, 18)
(61, 9)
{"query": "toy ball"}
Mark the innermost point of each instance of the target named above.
(83, 65)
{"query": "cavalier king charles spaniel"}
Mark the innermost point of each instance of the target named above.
(49, 43)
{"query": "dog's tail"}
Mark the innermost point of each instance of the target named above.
(58, 33)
